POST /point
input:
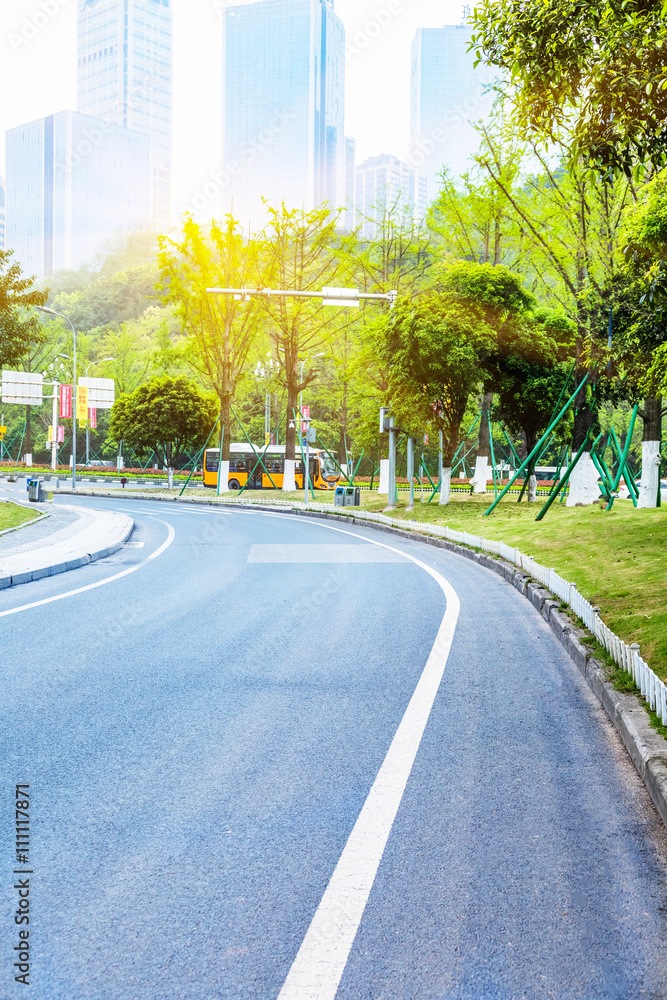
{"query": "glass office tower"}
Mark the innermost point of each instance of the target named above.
(73, 182)
(448, 94)
(124, 76)
(387, 184)
(2, 214)
(284, 94)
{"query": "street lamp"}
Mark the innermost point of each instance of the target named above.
(101, 361)
(52, 312)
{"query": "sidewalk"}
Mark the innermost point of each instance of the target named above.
(68, 538)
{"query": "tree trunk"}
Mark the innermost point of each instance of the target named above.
(292, 406)
(446, 485)
(482, 468)
(226, 425)
(170, 477)
(651, 443)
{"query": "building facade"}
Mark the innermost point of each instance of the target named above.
(283, 107)
(448, 95)
(3, 219)
(73, 182)
(350, 182)
(385, 184)
(124, 76)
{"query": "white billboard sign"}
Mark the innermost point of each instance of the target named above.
(101, 392)
(26, 388)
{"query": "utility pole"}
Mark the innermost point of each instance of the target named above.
(391, 505)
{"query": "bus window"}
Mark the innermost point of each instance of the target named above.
(212, 463)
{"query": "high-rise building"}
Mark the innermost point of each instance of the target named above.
(448, 95)
(124, 76)
(3, 222)
(73, 182)
(350, 179)
(387, 184)
(283, 107)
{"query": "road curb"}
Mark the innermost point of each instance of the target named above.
(118, 529)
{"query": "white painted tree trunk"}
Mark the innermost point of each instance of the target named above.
(532, 489)
(289, 482)
(482, 474)
(170, 477)
(446, 487)
(584, 488)
(384, 476)
(223, 474)
(648, 491)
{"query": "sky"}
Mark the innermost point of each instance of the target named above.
(38, 73)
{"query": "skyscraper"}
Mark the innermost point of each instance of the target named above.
(448, 94)
(284, 93)
(387, 184)
(2, 214)
(350, 179)
(73, 182)
(125, 77)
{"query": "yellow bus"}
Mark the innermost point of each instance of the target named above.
(243, 458)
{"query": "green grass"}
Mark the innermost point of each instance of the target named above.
(618, 560)
(12, 516)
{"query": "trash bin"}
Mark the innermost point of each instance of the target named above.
(35, 490)
(352, 496)
(339, 496)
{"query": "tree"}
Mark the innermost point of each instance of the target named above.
(20, 330)
(431, 348)
(595, 68)
(220, 332)
(301, 251)
(166, 416)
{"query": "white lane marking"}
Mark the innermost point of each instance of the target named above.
(321, 960)
(100, 583)
(321, 554)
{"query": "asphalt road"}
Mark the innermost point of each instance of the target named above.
(213, 735)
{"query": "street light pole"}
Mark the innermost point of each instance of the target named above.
(52, 312)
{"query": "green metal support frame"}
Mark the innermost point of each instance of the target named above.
(258, 455)
(493, 457)
(194, 466)
(538, 446)
(567, 475)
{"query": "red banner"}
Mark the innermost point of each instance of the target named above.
(65, 402)
(92, 417)
(61, 435)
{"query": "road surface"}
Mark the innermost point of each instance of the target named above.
(239, 705)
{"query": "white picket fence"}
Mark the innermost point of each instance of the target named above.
(627, 657)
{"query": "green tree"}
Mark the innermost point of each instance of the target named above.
(301, 251)
(20, 329)
(593, 68)
(220, 332)
(166, 416)
(434, 348)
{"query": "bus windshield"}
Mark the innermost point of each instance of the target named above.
(329, 466)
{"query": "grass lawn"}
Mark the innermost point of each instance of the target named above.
(618, 560)
(12, 516)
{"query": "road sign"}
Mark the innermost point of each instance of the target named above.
(26, 388)
(101, 392)
(65, 402)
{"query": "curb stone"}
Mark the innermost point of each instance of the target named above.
(647, 749)
(75, 562)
